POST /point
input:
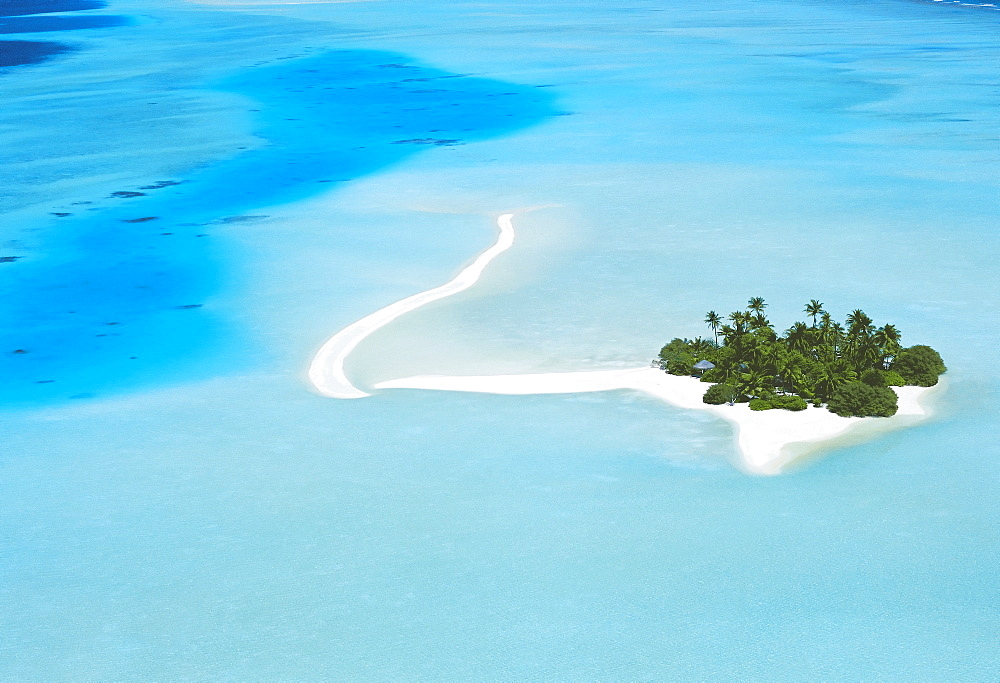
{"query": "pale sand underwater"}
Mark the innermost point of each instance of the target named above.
(767, 441)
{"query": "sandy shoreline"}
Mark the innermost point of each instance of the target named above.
(767, 441)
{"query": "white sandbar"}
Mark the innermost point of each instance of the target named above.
(326, 372)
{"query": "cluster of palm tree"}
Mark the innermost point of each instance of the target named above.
(810, 360)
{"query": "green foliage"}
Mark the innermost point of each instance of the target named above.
(893, 379)
(678, 366)
(676, 357)
(873, 378)
(789, 402)
(717, 394)
(805, 363)
(863, 400)
(919, 365)
(679, 356)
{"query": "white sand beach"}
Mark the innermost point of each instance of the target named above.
(766, 441)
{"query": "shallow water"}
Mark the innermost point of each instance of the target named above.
(209, 517)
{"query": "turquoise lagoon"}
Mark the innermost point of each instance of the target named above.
(196, 512)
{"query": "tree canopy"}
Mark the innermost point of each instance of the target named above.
(919, 365)
(863, 400)
(848, 366)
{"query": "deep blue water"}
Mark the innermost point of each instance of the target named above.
(121, 299)
(45, 24)
(19, 52)
(16, 8)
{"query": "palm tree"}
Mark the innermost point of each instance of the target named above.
(759, 321)
(888, 339)
(858, 324)
(825, 321)
(756, 382)
(814, 308)
(831, 377)
(797, 337)
(858, 346)
(713, 320)
(756, 304)
(700, 347)
(740, 326)
(835, 336)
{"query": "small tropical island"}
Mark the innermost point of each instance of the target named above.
(849, 368)
(752, 378)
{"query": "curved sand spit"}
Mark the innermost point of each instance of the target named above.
(326, 372)
(767, 440)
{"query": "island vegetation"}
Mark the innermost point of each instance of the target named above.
(850, 367)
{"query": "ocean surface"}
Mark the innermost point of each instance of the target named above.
(196, 196)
